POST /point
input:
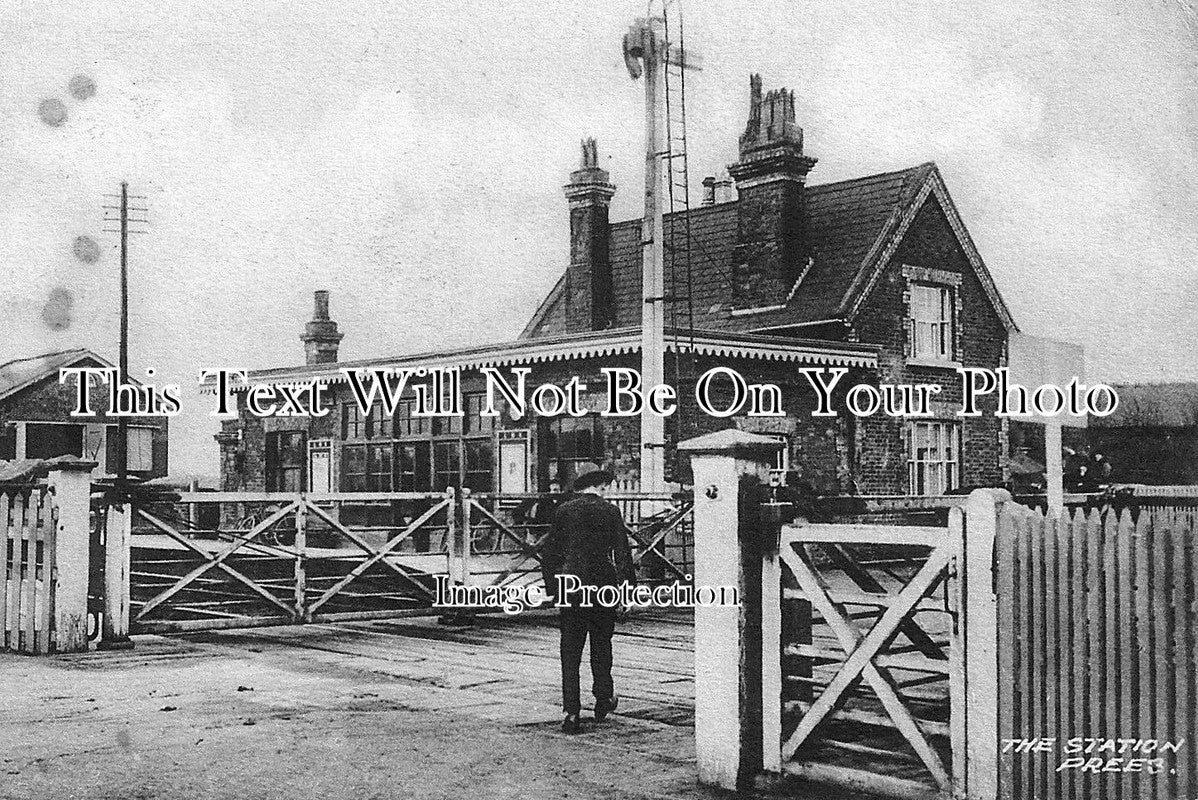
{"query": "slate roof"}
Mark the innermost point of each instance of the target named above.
(19, 373)
(847, 222)
(1152, 405)
(582, 345)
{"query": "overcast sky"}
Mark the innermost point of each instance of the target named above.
(410, 156)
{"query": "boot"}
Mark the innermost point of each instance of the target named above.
(571, 724)
(604, 706)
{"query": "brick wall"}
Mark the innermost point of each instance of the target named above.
(769, 256)
(981, 342)
(820, 448)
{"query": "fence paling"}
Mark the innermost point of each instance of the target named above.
(14, 509)
(27, 569)
(1120, 664)
(45, 554)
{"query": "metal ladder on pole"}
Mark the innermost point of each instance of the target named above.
(677, 245)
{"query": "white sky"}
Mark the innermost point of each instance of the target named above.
(410, 156)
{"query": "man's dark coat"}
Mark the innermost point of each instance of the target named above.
(587, 539)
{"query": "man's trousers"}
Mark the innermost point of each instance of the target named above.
(577, 625)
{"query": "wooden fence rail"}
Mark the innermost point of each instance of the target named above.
(1097, 655)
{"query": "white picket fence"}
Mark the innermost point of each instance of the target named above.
(45, 539)
(28, 522)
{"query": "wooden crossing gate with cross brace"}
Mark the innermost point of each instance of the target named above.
(203, 560)
(870, 656)
(882, 675)
(865, 653)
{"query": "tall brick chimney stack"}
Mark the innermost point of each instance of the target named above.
(320, 336)
(770, 178)
(590, 304)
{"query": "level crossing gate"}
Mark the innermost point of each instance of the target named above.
(865, 653)
(202, 560)
(870, 657)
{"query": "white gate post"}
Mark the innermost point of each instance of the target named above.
(980, 631)
(71, 483)
(771, 662)
(118, 543)
(718, 460)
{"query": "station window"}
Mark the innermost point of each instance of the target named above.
(933, 457)
(571, 442)
(285, 454)
(932, 322)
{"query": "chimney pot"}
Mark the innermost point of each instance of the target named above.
(709, 190)
(321, 311)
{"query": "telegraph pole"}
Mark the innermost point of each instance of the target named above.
(653, 428)
(114, 633)
(122, 422)
(123, 219)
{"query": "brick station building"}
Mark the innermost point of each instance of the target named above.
(877, 274)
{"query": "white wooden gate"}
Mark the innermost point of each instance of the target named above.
(870, 660)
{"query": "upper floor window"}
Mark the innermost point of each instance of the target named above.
(932, 322)
(447, 426)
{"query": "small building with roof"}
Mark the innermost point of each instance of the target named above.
(36, 421)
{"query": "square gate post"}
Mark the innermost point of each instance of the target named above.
(118, 542)
(980, 635)
(71, 483)
(728, 652)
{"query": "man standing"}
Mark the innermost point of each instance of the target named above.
(588, 540)
(536, 513)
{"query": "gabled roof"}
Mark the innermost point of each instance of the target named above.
(852, 229)
(21, 373)
(931, 184)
